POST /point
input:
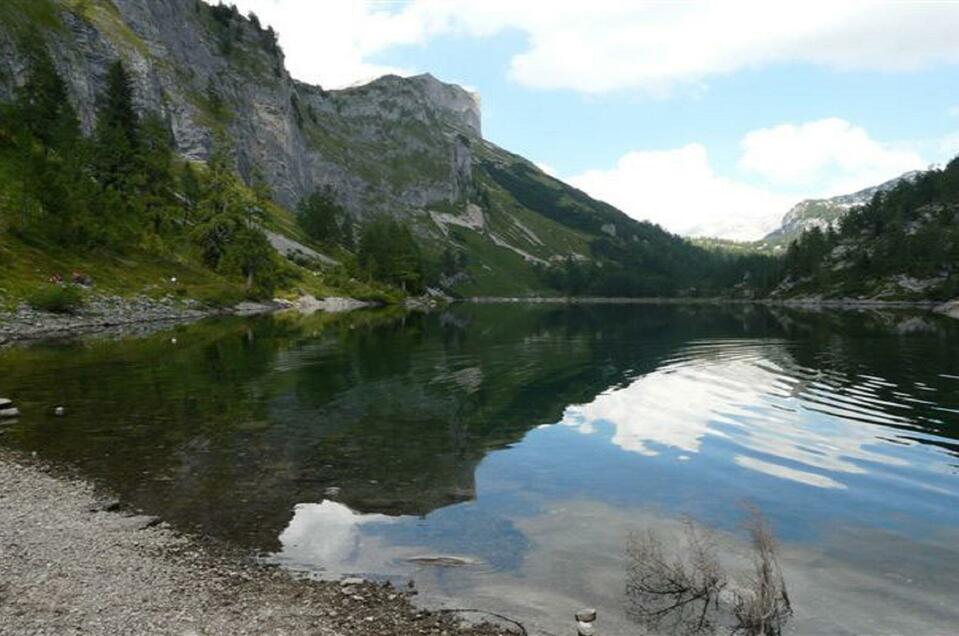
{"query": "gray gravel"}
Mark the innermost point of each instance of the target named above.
(134, 316)
(100, 313)
(71, 563)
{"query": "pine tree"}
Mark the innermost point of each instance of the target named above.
(117, 139)
(51, 150)
(320, 216)
(155, 159)
(43, 104)
(389, 253)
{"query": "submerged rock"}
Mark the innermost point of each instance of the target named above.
(9, 413)
(443, 560)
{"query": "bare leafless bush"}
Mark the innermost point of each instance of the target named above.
(687, 591)
(762, 607)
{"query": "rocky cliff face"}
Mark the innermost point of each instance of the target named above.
(409, 147)
(214, 73)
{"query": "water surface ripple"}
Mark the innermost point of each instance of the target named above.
(526, 443)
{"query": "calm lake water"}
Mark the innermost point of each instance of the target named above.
(531, 440)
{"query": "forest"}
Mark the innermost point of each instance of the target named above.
(911, 230)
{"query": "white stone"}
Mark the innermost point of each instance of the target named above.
(587, 615)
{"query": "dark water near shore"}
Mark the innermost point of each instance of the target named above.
(530, 441)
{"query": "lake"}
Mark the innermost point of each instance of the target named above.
(529, 442)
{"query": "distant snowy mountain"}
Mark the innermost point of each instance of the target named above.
(742, 229)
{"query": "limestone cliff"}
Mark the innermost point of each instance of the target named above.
(409, 147)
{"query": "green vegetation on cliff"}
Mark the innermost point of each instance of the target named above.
(119, 208)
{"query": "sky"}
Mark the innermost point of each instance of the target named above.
(708, 118)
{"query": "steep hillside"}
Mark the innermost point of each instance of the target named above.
(823, 213)
(488, 222)
(903, 244)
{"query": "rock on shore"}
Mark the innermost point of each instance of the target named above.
(70, 563)
(332, 304)
(950, 308)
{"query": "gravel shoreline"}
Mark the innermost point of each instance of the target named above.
(140, 315)
(102, 313)
(72, 562)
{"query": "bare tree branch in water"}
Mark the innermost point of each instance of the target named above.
(762, 608)
(677, 591)
(687, 591)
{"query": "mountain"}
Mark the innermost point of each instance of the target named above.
(901, 244)
(411, 148)
(824, 213)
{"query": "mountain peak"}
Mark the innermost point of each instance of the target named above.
(823, 213)
(459, 106)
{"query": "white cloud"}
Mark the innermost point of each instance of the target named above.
(609, 45)
(830, 151)
(329, 43)
(678, 189)
(545, 167)
(948, 146)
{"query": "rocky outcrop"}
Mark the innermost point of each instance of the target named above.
(824, 213)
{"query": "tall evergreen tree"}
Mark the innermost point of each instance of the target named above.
(389, 253)
(51, 150)
(43, 103)
(156, 160)
(321, 216)
(118, 134)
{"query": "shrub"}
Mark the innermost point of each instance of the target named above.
(58, 299)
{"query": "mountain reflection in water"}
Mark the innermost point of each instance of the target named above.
(526, 440)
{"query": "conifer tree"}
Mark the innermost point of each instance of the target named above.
(118, 134)
(43, 104)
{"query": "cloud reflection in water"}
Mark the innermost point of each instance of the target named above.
(781, 419)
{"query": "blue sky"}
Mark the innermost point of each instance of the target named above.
(708, 118)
